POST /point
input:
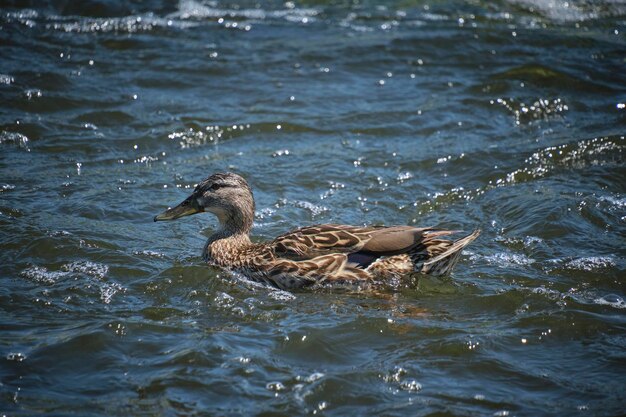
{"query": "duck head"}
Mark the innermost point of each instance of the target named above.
(227, 195)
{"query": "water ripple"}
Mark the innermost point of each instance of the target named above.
(505, 116)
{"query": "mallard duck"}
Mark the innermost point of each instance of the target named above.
(313, 255)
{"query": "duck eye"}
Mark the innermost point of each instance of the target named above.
(216, 186)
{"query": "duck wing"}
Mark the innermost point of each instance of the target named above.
(361, 244)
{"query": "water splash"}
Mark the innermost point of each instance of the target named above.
(15, 138)
(507, 259)
(540, 109)
(577, 155)
(91, 274)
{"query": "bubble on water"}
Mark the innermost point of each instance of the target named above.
(522, 309)
(410, 385)
(275, 386)
(612, 300)
(16, 356)
(314, 377)
(33, 93)
(403, 176)
(472, 344)
(118, 328)
(322, 405)
(280, 152)
(395, 375)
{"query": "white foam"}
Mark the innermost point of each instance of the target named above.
(590, 263)
(281, 295)
(93, 269)
(42, 275)
(509, 259)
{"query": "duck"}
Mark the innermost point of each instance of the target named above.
(315, 255)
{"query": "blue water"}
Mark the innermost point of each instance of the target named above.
(508, 116)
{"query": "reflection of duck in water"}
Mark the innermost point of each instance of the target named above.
(320, 254)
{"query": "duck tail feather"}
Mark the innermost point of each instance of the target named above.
(443, 263)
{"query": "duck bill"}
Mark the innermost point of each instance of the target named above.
(186, 208)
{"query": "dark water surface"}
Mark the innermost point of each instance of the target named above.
(508, 116)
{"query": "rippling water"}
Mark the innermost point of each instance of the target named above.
(508, 116)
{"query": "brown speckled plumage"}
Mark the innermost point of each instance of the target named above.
(313, 255)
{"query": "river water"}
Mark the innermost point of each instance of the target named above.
(507, 116)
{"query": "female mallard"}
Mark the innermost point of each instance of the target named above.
(325, 253)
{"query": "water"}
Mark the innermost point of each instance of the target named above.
(507, 116)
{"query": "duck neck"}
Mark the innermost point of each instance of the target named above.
(233, 234)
